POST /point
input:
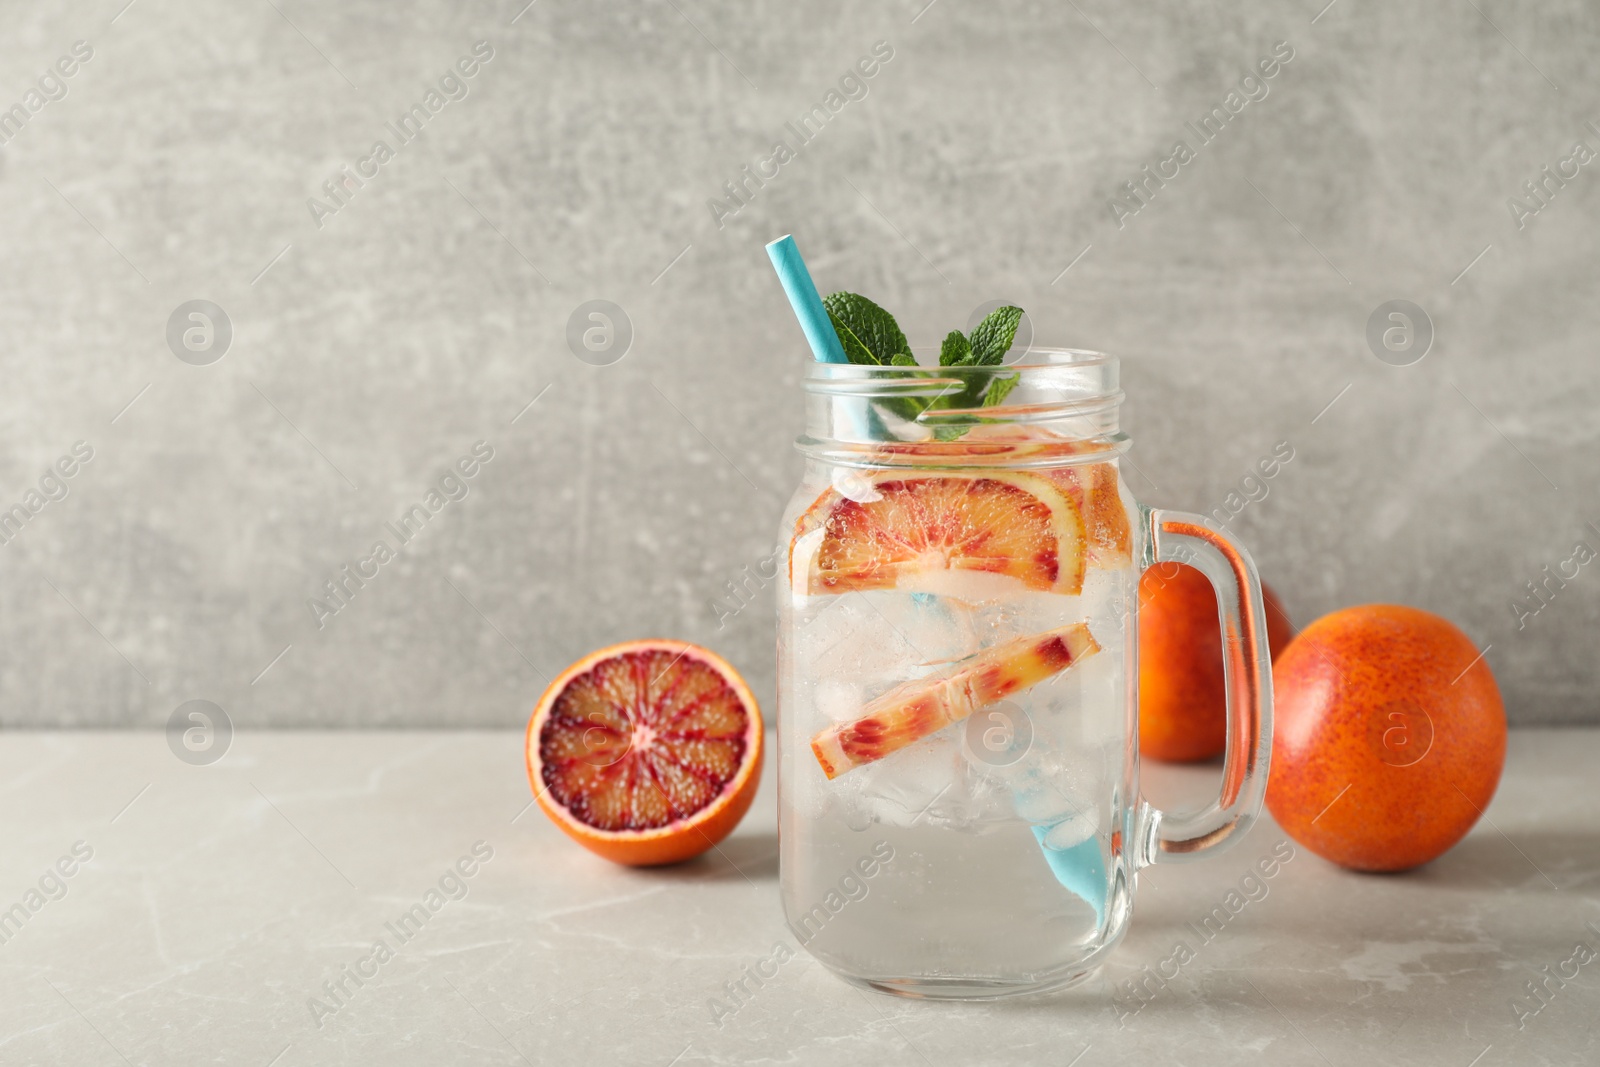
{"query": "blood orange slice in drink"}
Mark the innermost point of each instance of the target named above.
(916, 709)
(646, 752)
(898, 527)
(1094, 488)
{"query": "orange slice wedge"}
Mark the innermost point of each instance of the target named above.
(916, 709)
(904, 525)
(1093, 487)
(646, 752)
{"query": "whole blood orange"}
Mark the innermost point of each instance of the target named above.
(1388, 737)
(1183, 712)
(646, 752)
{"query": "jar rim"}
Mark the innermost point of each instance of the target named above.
(1061, 408)
(1034, 358)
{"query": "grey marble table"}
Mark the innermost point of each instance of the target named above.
(233, 913)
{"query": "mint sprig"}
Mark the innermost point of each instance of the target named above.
(855, 349)
(869, 333)
(871, 336)
(992, 338)
(999, 388)
(956, 350)
(990, 341)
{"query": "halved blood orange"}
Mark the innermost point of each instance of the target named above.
(902, 525)
(1094, 488)
(912, 711)
(646, 752)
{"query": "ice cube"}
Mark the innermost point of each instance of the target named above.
(1104, 603)
(928, 783)
(908, 784)
(857, 814)
(934, 629)
(837, 700)
(1028, 612)
(1042, 803)
(1073, 830)
(1053, 783)
(969, 587)
(881, 635)
(1100, 702)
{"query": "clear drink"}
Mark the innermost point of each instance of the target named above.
(991, 843)
(959, 812)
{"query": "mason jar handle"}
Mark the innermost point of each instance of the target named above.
(1179, 537)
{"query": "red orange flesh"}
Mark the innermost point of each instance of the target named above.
(918, 708)
(647, 752)
(905, 524)
(1093, 487)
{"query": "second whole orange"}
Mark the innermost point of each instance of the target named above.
(1183, 714)
(1389, 737)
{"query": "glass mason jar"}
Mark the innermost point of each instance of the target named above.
(959, 805)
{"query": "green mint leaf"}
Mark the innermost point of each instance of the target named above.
(872, 326)
(953, 431)
(956, 350)
(871, 337)
(854, 349)
(999, 388)
(992, 338)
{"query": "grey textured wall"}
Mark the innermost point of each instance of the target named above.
(371, 348)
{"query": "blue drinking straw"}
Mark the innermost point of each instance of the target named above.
(1081, 869)
(802, 294)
